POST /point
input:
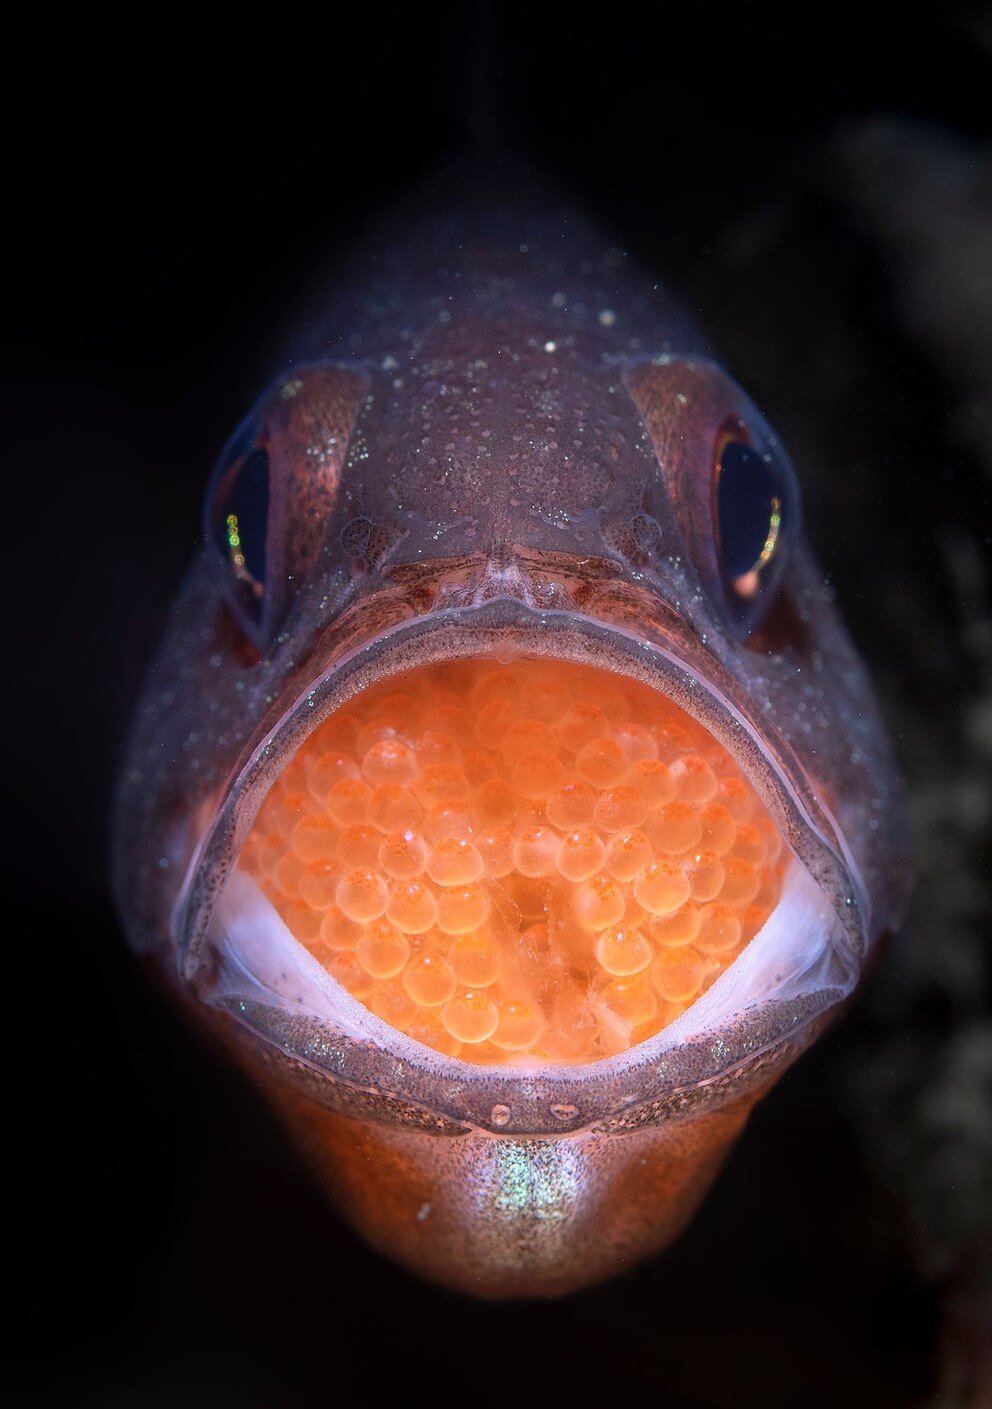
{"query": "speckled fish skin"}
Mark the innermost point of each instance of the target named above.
(500, 437)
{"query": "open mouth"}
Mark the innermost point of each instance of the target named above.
(498, 847)
(520, 861)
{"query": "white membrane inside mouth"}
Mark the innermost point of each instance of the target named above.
(800, 950)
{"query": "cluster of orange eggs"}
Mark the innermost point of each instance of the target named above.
(537, 859)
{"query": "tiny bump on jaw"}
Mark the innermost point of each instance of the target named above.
(535, 860)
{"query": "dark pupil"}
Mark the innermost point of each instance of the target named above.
(242, 519)
(749, 509)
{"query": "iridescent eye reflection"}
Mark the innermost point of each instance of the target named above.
(240, 511)
(234, 544)
(750, 506)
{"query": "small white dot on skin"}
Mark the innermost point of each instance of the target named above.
(550, 347)
(607, 317)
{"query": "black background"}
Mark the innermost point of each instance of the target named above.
(170, 193)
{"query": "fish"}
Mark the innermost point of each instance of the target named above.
(507, 797)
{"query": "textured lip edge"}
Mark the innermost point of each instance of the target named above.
(461, 632)
(510, 1105)
(540, 1097)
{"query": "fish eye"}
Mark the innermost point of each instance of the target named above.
(237, 514)
(756, 513)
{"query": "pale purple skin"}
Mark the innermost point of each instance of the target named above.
(502, 438)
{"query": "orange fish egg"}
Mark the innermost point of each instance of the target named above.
(313, 838)
(653, 781)
(741, 882)
(518, 1027)
(358, 845)
(661, 887)
(429, 979)
(454, 861)
(619, 809)
(676, 827)
(677, 974)
(338, 930)
(402, 855)
(719, 929)
(528, 736)
(694, 779)
(623, 951)
(461, 909)
(325, 769)
(571, 804)
(317, 886)
(475, 958)
(679, 927)
(438, 782)
(602, 763)
(598, 903)
(637, 742)
(478, 767)
(389, 761)
(736, 796)
(705, 874)
(631, 1000)
(470, 1016)
(361, 895)
(580, 855)
(495, 846)
(452, 818)
(348, 801)
(536, 775)
(393, 807)
(382, 951)
(535, 852)
(582, 724)
(493, 721)
(411, 907)
(719, 829)
(749, 843)
(627, 854)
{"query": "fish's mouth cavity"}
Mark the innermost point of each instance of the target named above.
(268, 927)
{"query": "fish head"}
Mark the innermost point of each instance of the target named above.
(507, 794)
